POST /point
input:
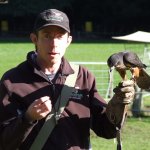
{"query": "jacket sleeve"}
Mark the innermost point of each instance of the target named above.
(99, 121)
(13, 127)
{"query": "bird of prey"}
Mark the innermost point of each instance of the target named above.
(137, 69)
(115, 61)
(142, 79)
(125, 60)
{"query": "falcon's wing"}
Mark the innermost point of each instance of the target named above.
(143, 81)
(132, 60)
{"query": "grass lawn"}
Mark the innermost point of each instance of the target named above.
(136, 131)
(135, 136)
(13, 53)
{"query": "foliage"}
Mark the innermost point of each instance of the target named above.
(23, 7)
(106, 15)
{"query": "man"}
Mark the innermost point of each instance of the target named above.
(29, 91)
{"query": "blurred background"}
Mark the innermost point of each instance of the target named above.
(96, 19)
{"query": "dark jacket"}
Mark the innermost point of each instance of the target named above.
(25, 83)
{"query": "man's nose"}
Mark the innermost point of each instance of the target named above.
(53, 40)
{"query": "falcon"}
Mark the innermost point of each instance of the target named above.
(123, 61)
(115, 61)
(142, 79)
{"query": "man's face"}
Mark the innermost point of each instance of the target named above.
(51, 43)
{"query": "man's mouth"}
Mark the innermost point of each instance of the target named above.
(53, 53)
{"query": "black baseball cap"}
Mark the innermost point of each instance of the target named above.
(51, 17)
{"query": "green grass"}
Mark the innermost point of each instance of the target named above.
(13, 53)
(147, 101)
(135, 136)
(99, 51)
(135, 132)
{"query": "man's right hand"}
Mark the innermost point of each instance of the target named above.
(39, 109)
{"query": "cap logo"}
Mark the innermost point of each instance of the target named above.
(53, 17)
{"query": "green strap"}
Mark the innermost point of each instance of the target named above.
(50, 120)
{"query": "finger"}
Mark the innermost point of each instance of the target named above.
(35, 103)
(129, 95)
(41, 100)
(40, 110)
(45, 98)
(116, 89)
(127, 100)
(127, 89)
(123, 89)
(127, 83)
(45, 106)
(46, 102)
(43, 111)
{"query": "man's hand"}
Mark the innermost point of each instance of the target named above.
(124, 92)
(39, 109)
(116, 108)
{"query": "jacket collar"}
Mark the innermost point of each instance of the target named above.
(65, 68)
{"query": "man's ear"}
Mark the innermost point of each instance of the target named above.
(69, 40)
(33, 38)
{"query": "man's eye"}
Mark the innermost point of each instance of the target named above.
(59, 36)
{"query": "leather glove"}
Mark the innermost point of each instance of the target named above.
(116, 108)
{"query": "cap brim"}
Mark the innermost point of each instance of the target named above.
(52, 25)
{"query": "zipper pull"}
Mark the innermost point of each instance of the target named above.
(57, 117)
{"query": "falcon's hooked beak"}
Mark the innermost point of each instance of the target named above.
(111, 68)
